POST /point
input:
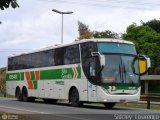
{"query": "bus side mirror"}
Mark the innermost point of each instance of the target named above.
(144, 64)
(101, 57)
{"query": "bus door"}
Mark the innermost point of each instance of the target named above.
(92, 96)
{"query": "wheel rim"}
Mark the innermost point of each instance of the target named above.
(18, 94)
(75, 97)
(25, 94)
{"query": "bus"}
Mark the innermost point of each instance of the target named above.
(103, 71)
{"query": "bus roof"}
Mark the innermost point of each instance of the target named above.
(76, 42)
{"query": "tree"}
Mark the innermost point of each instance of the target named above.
(84, 31)
(6, 3)
(105, 34)
(146, 39)
(154, 24)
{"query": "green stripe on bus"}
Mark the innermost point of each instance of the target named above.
(35, 84)
(79, 72)
(32, 75)
(123, 87)
(22, 75)
(52, 74)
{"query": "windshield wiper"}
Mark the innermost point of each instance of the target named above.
(124, 70)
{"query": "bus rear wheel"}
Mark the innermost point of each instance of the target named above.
(109, 105)
(74, 97)
(18, 94)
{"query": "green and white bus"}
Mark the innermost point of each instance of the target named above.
(92, 70)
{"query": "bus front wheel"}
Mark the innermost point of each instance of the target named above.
(74, 97)
(109, 105)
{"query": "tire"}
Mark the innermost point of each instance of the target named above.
(109, 105)
(74, 97)
(18, 94)
(25, 95)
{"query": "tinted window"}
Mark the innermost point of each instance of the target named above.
(59, 55)
(10, 63)
(47, 58)
(26, 61)
(71, 55)
(86, 49)
(20, 62)
(37, 60)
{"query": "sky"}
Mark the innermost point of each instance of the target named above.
(34, 25)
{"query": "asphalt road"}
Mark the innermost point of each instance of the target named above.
(42, 111)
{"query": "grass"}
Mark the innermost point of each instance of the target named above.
(7, 95)
(138, 105)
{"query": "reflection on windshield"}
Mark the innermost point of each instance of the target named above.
(118, 69)
(129, 76)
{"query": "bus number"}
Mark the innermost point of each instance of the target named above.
(12, 77)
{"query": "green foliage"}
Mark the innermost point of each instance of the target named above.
(154, 24)
(2, 70)
(6, 3)
(146, 39)
(84, 31)
(105, 34)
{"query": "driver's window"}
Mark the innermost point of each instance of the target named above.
(92, 69)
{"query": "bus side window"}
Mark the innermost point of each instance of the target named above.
(59, 56)
(48, 58)
(37, 60)
(71, 55)
(10, 64)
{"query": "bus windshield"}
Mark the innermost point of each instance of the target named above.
(118, 67)
(116, 48)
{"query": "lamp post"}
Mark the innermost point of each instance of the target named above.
(62, 13)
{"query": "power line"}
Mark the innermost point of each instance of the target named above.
(14, 50)
(126, 1)
(110, 4)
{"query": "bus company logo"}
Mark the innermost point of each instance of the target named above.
(67, 74)
(64, 71)
(4, 117)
